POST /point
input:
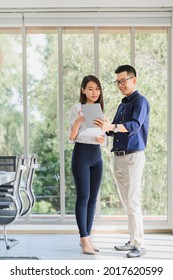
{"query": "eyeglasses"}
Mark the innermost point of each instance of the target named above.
(122, 81)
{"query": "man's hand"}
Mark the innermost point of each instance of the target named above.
(105, 125)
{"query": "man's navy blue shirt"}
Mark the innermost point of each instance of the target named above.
(133, 113)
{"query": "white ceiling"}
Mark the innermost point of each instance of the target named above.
(89, 4)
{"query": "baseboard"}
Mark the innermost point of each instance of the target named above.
(72, 229)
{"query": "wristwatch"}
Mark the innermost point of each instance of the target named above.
(116, 128)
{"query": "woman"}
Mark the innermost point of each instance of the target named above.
(87, 164)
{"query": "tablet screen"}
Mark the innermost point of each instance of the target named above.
(91, 112)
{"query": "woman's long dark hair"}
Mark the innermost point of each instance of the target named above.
(85, 81)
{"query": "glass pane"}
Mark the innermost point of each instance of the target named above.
(117, 53)
(42, 64)
(11, 104)
(42, 84)
(151, 62)
(78, 58)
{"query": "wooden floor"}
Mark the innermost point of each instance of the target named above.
(66, 247)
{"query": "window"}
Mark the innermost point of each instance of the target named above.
(78, 61)
(57, 60)
(43, 104)
(11, 102)
(151, 60)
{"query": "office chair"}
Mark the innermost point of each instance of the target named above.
(8, 163)
(11, 203)
(27, 192)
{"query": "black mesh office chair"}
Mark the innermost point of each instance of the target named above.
(11, 203)
(8, 163)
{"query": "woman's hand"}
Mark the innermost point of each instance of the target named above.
(80, 117)
(76, 125)
(100, 139)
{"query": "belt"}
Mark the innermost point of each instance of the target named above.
(123, 153)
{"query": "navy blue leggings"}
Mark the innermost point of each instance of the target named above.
(87, 168)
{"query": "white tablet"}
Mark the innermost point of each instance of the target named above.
(92, 112)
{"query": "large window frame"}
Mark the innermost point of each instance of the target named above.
(96, 20)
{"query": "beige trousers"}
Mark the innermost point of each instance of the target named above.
(128, 174)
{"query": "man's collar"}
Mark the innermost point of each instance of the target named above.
(128, 98)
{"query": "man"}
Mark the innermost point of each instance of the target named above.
(130, 130)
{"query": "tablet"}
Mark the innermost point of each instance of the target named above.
(92, 112)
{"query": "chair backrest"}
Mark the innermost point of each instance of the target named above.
(32, 168)
(21, 168)
(8, 163)
(8, 214)
(28, 190)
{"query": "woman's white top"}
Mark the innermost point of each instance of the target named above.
(85, 135)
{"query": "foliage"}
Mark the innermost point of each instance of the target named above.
(44, 103)
(11, 120)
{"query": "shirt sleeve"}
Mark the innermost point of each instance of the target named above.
(73, 115)
(140, 111)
